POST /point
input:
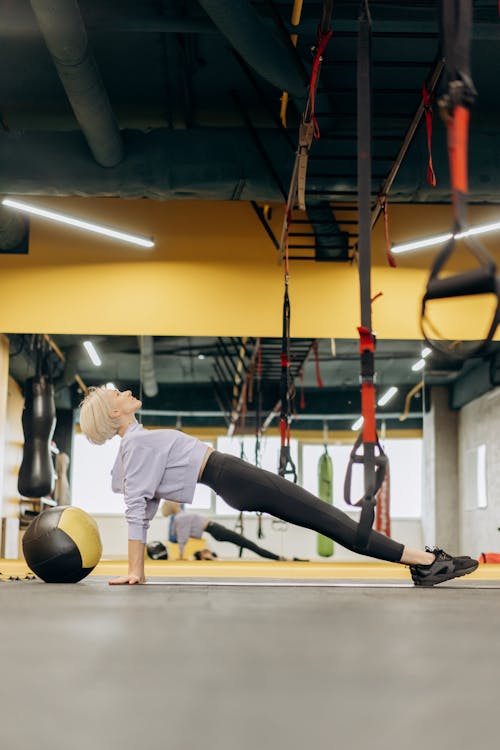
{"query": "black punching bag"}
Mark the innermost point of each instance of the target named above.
(36, 475)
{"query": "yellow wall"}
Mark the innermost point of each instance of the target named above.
(213, 271)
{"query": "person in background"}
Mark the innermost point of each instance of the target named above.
(193, 525)
(156, 464)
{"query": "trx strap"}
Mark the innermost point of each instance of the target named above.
(431, 175)
(384, 204)
(308, 128)
(455, 102)
(239, 525)
(286, 465)
(370, 454)
(258, 426)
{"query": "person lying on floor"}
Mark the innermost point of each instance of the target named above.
(186, 525)
(155, 464)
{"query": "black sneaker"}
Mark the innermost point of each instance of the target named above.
(444, 568)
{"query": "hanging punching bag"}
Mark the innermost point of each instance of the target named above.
(325, 492)
(37, 475)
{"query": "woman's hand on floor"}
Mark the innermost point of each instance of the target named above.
(130, 579)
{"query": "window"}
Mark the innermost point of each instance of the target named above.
(91, 476)
(269, 459)
(405, 461)
(91, 479)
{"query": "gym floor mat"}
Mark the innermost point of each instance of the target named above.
(317, 573)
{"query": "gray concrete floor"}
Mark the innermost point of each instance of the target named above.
(90, 667)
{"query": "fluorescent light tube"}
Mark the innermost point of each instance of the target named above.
(418, 365)
(417, 244)
(357, 424)
(72, 221)
(406, 247)
(383, 400)
(91, 351)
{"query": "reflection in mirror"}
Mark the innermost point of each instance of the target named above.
(233, 383)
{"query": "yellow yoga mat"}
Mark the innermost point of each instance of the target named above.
(250, 569)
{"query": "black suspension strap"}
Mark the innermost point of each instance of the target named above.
(239, 525)
(258, 425)
(367, 450)
(286, 464)
(457, 97)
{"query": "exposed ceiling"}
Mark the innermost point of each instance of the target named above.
(177, 99)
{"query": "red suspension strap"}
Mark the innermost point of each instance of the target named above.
(297, 193)
(431, 175)
(384, 203)
(455, 102)
(308, 128)
(321, 44)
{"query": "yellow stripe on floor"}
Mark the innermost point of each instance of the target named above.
(255, 569)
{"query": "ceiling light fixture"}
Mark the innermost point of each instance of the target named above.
(91, 351)
(390, 393)
(418, 365)
(72, 221)
(357, 424)
(438, 239)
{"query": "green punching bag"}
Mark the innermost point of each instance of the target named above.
(325, 492)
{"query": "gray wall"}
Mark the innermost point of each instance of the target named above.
(479, 424)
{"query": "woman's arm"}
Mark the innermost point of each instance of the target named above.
(135, 564)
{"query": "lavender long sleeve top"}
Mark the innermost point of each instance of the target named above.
(151, 465)
(188, 525)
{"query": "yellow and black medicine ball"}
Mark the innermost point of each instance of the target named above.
(62, 544)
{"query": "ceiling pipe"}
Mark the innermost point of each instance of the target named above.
(62, 26)
(264, 50)
(148, 374)
(165, 164)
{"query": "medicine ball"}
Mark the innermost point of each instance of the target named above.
(157, 551)
(62, 544)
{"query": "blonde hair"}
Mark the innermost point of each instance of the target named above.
(169, 508)
(95, 422)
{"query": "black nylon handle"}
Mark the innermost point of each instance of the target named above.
(474, 281)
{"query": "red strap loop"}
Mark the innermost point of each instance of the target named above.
(368, 412)
(431, 176)
(366, 339)
(385, 210)
(316, 359)
(318, 58)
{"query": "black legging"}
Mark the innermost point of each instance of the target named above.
(246, 487)
(221, 534)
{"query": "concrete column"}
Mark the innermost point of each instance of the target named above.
(440, 506)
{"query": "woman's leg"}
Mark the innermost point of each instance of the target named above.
(222, 534)
(246, 487)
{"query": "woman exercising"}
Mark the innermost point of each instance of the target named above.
(156, 464)
(186, 525)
